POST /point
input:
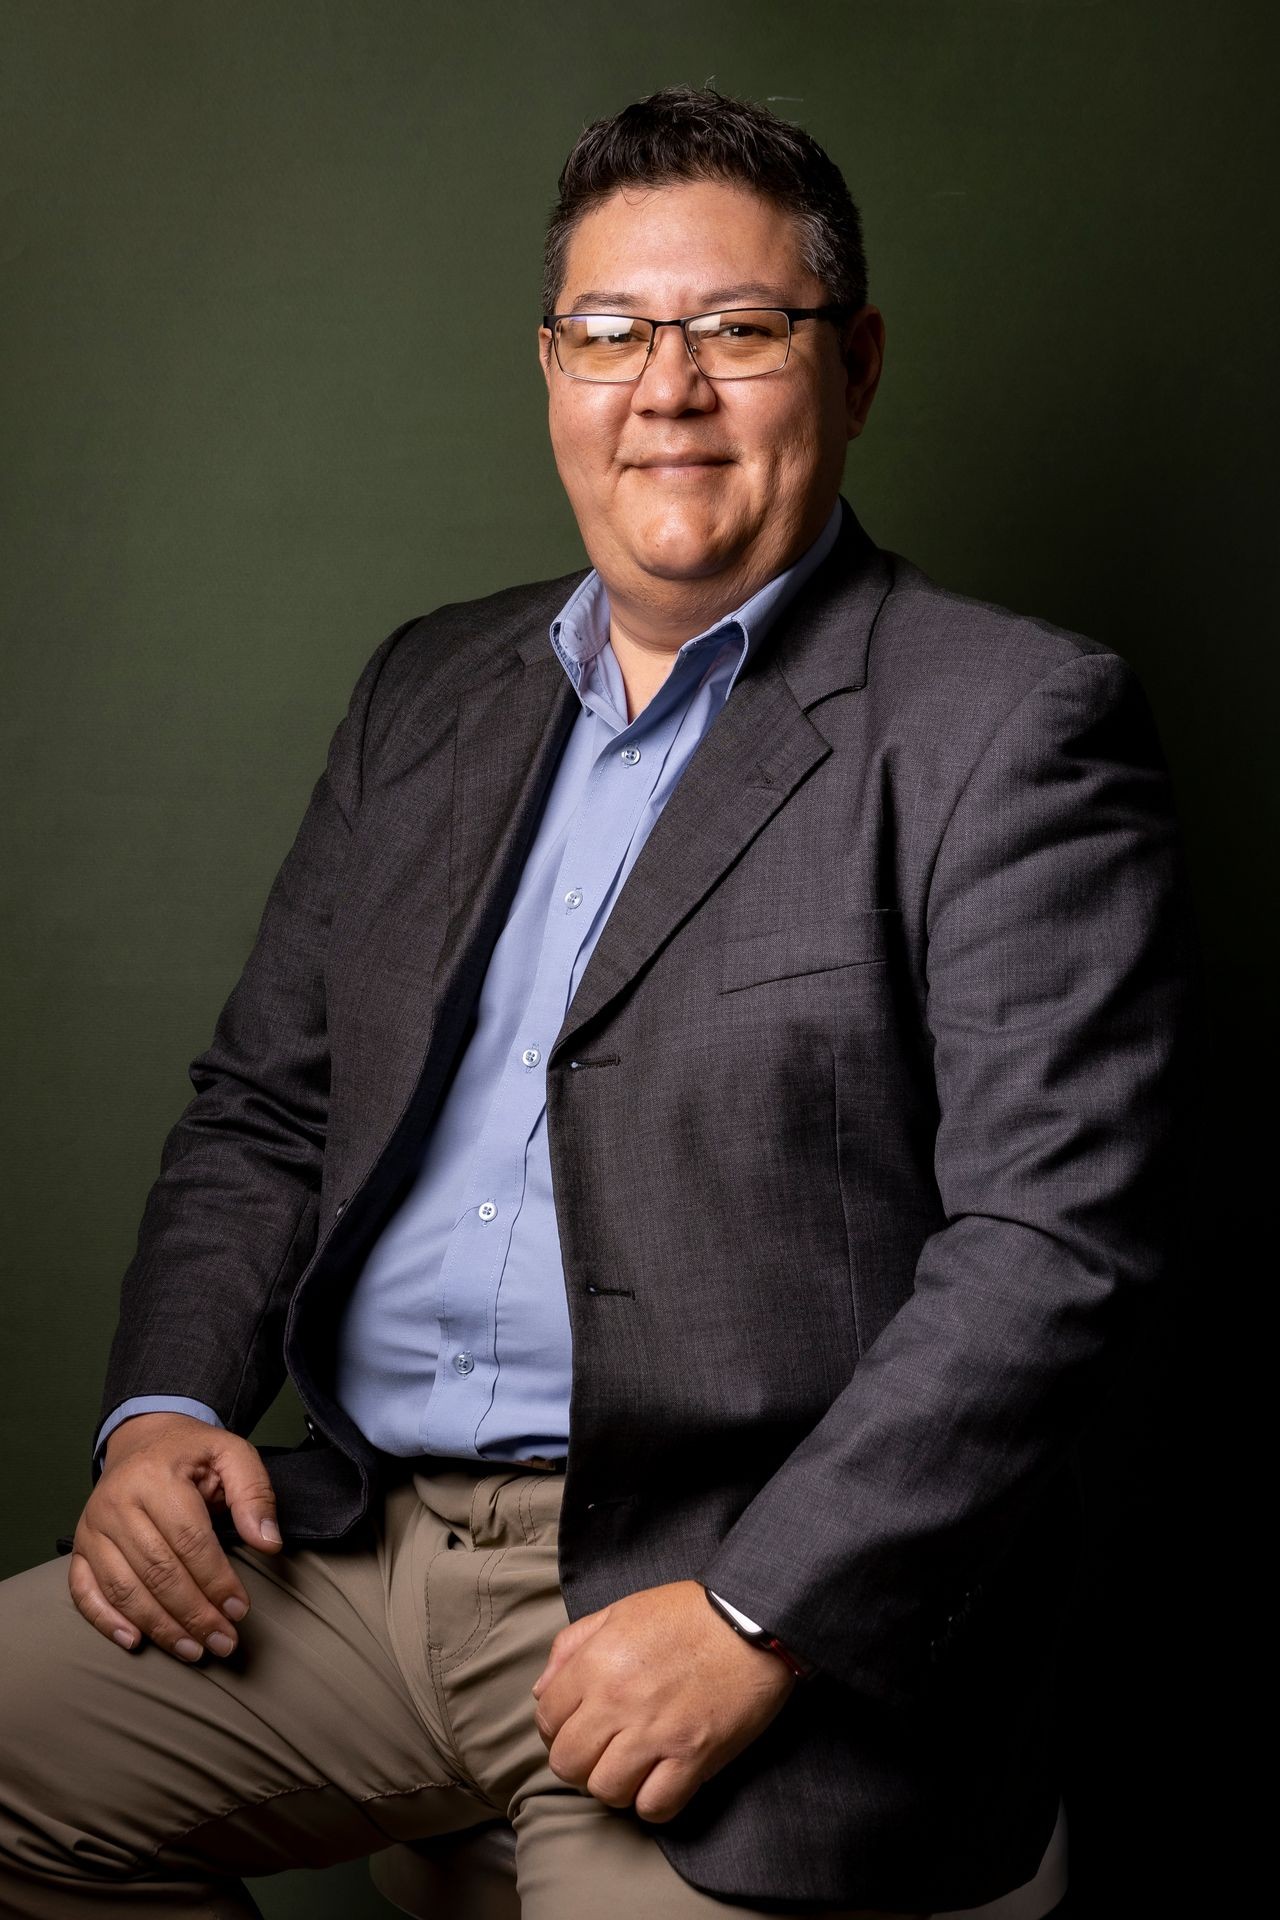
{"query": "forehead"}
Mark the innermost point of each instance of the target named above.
(691, 243)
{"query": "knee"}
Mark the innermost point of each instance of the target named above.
(50, 1694)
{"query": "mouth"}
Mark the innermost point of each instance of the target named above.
(672, 469)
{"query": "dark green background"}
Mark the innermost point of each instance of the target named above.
(270, 289)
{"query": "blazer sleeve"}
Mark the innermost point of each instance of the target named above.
(231, 1219)
(1063, 993)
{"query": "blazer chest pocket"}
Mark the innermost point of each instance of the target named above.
(855, 939)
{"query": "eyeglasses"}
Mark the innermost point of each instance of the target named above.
(736, 345)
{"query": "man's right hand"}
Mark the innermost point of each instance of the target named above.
(145, 1560)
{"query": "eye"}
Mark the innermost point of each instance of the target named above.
(602, 330)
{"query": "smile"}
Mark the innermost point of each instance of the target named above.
(684, 468)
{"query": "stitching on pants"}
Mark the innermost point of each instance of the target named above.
(310, 1786)
(435, 1671)
(526, 1512)
(484, 1617)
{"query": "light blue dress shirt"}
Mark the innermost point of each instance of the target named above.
(455, 1337)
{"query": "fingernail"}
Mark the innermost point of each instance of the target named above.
(220, 1643)
(268, 1529)
(189, 1649)
(124, 1638)
(234, 1609)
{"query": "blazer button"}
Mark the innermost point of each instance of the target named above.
(340, 1208)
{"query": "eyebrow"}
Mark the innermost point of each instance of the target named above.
(609, 300)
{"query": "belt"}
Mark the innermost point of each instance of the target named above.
(402, 1464)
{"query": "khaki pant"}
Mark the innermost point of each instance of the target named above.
(379, 1693)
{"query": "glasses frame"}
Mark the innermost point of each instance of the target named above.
(834, 310)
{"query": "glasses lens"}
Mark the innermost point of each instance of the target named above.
(603, 346)
(749, 340)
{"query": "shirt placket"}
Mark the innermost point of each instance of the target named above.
(478, 1246)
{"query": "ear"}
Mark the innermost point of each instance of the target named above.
(862, 351)
(544, 354)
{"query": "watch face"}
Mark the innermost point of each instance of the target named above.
(741, 1620)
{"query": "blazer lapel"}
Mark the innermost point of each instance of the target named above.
(510, 733)
(758, 749)
(762, 744)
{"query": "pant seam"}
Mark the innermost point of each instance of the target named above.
(526, 1512)
(484, 1617)
(310, 1786)
(435, 1666)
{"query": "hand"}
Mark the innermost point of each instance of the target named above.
(145, 1560)
(648, 1697)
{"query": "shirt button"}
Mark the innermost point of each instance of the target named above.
(574, 897)
(531, 1056)
(463, 1362)
(629, 756)
(487, 1209)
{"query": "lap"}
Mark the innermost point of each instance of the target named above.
(302, 1748)
(379, 1694)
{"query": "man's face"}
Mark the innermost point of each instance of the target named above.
(770, 449)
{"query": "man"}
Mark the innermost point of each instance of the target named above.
(698, 1127)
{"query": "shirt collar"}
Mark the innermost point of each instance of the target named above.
(580, 630)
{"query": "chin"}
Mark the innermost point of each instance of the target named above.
(685, 547)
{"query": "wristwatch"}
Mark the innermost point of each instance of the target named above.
(759, 1636)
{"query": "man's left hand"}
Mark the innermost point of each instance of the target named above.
(648, 1697)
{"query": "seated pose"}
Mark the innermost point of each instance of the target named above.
(698, 1127)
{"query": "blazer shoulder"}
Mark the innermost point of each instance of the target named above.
(972, 630)
(431, 660)
(466, 638)
(969, 660)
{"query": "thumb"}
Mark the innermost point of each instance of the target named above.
(249, 1494)
(566, 1644)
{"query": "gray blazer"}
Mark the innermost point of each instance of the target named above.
(864, 1124)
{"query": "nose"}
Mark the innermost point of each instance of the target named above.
(672, 382)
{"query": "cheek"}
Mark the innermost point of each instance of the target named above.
(583, 436)
(781, 435)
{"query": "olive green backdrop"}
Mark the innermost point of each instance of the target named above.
(270, 291)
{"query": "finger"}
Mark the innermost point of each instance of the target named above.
(184, 1522)
(566, 1644)
(153, 1547)
(249, 1494)
(620, 1772)
(558, 1701)
(668, 1788)
(126, 1594)
(97, 1610)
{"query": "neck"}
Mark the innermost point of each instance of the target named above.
(646, 638)
(652, 617)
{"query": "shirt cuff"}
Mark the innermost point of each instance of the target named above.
(151, 1403)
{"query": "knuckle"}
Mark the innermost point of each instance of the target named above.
(190, 1537)
(160, 1575)
(120, 1591)
(97, 1612)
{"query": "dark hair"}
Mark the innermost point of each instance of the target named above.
(695, 133)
